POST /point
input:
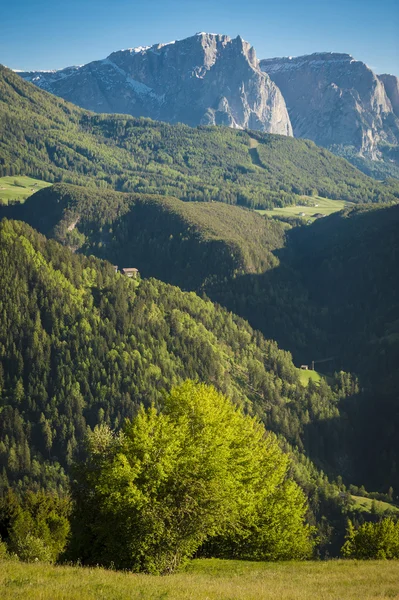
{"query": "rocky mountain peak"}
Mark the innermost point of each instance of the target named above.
(391, 85)
(334, 99)
(204, 79)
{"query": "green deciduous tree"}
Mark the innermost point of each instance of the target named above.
(148, 498)
(372, 540)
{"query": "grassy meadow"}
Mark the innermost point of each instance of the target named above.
(366, 504)
(306, 376)
(19, 188)
(208, 579)
(316, 205)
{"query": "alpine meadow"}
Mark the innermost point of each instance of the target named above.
(199, 311)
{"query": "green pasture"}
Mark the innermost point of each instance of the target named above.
(312, 206)
(206, 579)
(19, 188)
(306, 376)
(366, 505)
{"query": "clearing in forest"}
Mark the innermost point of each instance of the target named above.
(19, 188)
(313, 205)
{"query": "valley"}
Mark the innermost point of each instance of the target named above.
(229, 414)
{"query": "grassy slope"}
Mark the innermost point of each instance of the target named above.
(206, 580)
(366, 504)
(306, 376)
(323, 206)
(26, 186)
(44, 136)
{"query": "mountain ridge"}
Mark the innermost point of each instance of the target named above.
(46, 137)
(334, 99)
(208, 79)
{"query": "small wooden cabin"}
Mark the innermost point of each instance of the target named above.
(130, 272)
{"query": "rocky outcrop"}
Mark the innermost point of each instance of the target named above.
(334, 99)
(391, 85)
(204, 79)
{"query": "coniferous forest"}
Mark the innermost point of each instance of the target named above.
(147, 420)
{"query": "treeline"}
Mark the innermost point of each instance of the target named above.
(53, 140)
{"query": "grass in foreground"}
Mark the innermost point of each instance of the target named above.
(317, 205)
(206, 580)
(19, 188)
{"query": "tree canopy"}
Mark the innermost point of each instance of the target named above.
(149, 497)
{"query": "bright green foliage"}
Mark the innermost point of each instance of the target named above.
(148, 498)
(35, 528)
(372, 540)
(72, 145)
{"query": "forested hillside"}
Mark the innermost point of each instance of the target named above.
(323, 292)
(334, 298)
(189, 244)
(82, 345)
(48, 138)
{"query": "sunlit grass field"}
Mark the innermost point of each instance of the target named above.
(323, 206)
(19, 188)
(206, 580)
(306, 376)
(367, 503)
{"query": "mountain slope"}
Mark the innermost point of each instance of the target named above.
(46, 137)
(189, 244)
(334, 99)
(391, 85)
(81, 344)
(206, 79)
(325, 291)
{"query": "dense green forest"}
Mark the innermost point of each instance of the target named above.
(189, 244)
(82, 345)
(322, 291)
(48, 138)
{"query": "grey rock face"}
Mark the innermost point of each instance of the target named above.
(391, 85)
(334, 99)
(204, 79)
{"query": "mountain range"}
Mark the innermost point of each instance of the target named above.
(206, 79)
(334, 99)
(330, 98)
(83, 345)
(53, 140)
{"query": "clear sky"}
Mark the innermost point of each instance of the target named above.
(51, 34)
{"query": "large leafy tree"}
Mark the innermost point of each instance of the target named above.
(200, 469)
(372, 540)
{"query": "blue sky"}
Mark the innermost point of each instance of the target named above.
(51, 34)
